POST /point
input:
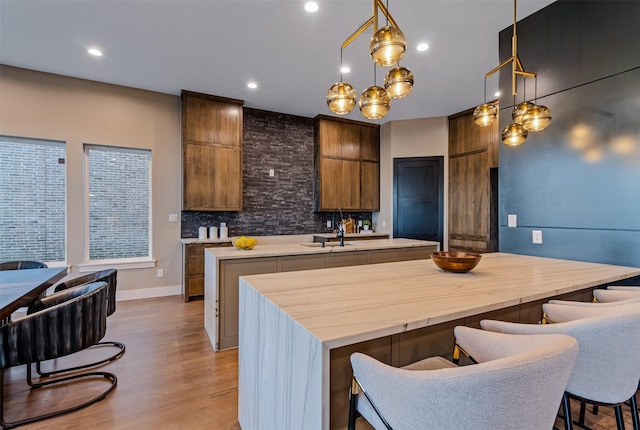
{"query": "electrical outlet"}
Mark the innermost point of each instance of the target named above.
(537, 236)
(173, 217)
(384, 223)
(328, 224)
(512, 220)
(160, 273)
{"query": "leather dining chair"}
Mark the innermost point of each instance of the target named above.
(607, 370)
(518, 383)
(22, 264)
(110, 276)
(48, 334)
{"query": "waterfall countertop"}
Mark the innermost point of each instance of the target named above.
(316, 248)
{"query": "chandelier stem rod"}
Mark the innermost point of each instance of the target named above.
(377, 4)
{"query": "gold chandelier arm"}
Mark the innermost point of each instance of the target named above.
(385, 12)
(507, 61)
(357, 33)
(377, 4)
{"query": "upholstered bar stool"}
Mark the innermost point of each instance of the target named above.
(110, 276)
(615, 295)
(519, 383)
(607, 369)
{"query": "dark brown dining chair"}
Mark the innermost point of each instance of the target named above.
(22, 264)
(48, 334)
(110, 277)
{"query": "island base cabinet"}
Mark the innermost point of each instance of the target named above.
(230, 271)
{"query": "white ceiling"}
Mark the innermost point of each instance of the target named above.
(217, 47)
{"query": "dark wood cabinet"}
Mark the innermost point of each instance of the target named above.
(193, 269)
(473, 162)
(211, 153)
(347, 165)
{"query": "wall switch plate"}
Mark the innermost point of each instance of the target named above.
(160, 273)
(537, 236)
(173, 217)
(512, 220)
(272, 172)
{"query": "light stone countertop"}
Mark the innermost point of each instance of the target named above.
(343, 306)
(352, 235)
(192, 240)
(315, 248)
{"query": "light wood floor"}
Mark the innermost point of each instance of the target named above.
(169, 378)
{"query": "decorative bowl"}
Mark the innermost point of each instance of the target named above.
(244, 242)
(456, 262)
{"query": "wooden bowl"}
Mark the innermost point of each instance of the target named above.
(456, 262)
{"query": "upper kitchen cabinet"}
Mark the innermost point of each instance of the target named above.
(211, 153)
(347, 165)
(473, 182)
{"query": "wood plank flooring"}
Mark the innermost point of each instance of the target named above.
(169, 378)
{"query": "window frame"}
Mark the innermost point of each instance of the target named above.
(51, 142)
(117, 263)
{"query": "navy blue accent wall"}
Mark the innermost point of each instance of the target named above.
(578, 180)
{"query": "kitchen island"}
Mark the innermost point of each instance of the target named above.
(224, 266)
(297, 330)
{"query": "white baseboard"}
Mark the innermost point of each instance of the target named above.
(147, 293)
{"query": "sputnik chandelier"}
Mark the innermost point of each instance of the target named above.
(387, 47)
(526, 116)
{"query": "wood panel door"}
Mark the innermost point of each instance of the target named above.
(418, 198)
(340, 184)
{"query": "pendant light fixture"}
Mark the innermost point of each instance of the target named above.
(526, 116)
(486, 113)
(399, 82)
(537, 117)
(388, 45)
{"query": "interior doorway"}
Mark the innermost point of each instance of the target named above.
(418, 198)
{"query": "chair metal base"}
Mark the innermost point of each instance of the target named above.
(36, 385)
(568, 421)
(118, 354)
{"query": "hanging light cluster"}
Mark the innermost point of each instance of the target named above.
(526, 116)
(387, 47)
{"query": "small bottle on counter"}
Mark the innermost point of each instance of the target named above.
(202, 233)
(213, 232)
(224, 230)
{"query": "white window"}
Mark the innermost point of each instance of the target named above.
(32, 200)
(119, 204)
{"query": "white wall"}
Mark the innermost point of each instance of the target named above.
(424, 137)
(41, 105)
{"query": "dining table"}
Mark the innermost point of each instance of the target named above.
(20, 287)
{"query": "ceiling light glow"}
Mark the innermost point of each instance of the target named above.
(422, 47)
(96, 52)
(252, 85)
(311, 6)
(345, 69)
(496, 94)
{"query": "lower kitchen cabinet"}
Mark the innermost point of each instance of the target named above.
(193, 268)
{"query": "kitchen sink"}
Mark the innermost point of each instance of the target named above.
(327, 244)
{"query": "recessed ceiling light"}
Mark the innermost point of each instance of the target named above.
(345, 69)
(96, 52)
(423, 47)
(311, 6)
(497, 94)
(252, 85)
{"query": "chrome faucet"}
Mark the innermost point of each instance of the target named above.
(340, 233)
